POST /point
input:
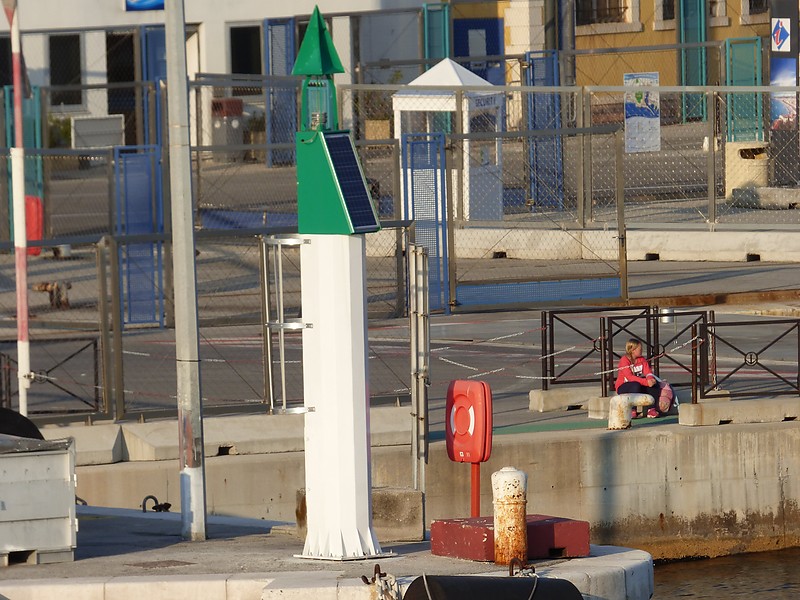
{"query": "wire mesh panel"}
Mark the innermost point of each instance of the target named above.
(545, 153)
(280, 109)
(425, 203)
(667, 185)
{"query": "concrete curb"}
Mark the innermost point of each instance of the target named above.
(612, 573)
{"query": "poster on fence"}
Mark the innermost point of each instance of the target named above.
(642, 113)
(783, 104)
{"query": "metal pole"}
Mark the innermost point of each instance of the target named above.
(619, 146)
(587, 142)
(105, 333)
(420, 355)
(266, 331)
(187, 351)
(277, 256)
(413, 280)
(695, 372)
(20, 230)
(116, 326)
(711, 99)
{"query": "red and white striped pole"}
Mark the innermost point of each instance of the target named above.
(18, 195)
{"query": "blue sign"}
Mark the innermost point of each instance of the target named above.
(144, 5)
(781, 32)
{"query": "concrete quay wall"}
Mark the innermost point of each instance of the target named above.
(670, 490)
(530, 243)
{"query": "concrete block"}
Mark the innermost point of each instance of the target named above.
(390, 425)
(558, 399)
(746, 165)
(396, 514)
(473, 538)
(94, 444)
(355, 589)
(253, 434)
(150, 441)
(766, 197)
(770, 410)
(166, 587)
(301, 585)
(246, 586)
(84, 588)
(598, 407)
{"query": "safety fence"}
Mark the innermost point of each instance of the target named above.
(519, 194)
(691, 349)
(102, 316)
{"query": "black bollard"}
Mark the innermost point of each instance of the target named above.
(497, 588)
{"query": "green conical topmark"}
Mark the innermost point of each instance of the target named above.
(317, 54)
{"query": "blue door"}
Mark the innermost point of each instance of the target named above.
(479, 38)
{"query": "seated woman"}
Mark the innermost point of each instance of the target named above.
(634, 376)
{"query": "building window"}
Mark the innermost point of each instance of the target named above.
(246, 50)
(754, 11)
(667, 10)
(6, 75)
(65, 69)
(588, 12)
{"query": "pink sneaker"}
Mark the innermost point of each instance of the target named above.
(653, 414)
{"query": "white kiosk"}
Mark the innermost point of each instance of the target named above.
(478, 195)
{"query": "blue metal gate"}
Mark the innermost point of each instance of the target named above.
(139, 211)
(425, 201)
(280, 101)
(154, 68)
(544, 112)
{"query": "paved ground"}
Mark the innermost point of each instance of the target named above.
(117, 542)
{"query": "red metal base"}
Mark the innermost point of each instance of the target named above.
(473, 539)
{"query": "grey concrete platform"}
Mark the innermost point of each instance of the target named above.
(107, 443)
(125, 555)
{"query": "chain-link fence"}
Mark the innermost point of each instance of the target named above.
(506, 186)
(101, 319)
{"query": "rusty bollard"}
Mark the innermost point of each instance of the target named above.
(509, 492)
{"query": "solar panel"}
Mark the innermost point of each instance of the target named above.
(351, 182)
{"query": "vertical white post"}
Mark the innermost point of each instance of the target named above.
(337, 444)
(187, 360)
(18, 204)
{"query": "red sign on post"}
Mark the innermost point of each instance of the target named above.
(469, 430)
(469, 421)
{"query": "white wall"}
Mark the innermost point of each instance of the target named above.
(87, 14)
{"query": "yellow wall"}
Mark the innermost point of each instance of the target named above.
(609, 69)
(483, 10)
